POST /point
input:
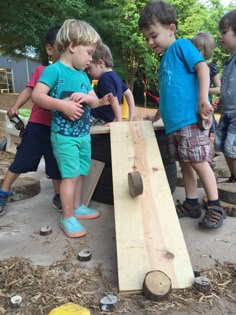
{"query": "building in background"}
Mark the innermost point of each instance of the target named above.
(15, 73)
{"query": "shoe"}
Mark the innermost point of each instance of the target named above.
(56, 202)
(72, 227)
(213, 218)
(84, 213)
(186, 210)
(3, 201)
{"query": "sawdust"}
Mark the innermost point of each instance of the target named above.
(44, 288)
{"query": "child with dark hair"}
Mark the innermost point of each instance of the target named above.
(35, 142)
(226, 131)
(184, 84)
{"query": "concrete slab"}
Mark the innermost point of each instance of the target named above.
(20, 226)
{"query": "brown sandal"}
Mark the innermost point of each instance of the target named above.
(186, 210)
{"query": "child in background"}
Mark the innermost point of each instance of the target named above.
(205, 43)
(225, 140)
(108, 81)
(60, 85)
(35, 141)
(182, 69)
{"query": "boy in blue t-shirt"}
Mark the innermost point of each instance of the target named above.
(108, 82)
(63, 88)
(184, 82)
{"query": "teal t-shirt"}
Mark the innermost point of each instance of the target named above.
(179, 85)
(63, 81)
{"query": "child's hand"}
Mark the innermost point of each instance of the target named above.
(12, 112)
(72, 110)
(215, 103)
(151, 118)
(82, 98)
(205, 109)
(107, 99)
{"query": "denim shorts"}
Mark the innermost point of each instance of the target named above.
(34, 145)
(73, 154)
(189, 144)
(225, 139)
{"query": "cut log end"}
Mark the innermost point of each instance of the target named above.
(135, 183)
(157, 285)
(202, 284)
(227, 192)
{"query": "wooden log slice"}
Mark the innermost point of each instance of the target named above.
(229, 208)
(202, 284)
(227, 192)
(135, 183)
(157, 285)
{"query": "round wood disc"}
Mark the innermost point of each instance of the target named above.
(135, 183)
(227, 192)
(46, 230)
(157, 285)
(229, 208)
(202, 284)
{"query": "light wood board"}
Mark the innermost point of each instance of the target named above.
(148, 233)
(91, 181)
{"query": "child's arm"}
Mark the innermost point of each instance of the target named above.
(91, 99)
(204, 107)
(131, 104)
(22, 98)
(70, 109)
(217, 84)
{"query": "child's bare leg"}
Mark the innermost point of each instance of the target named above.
(190, 207)
(78, 192)
(214, 215)
(207, 178)
(190, 180)
(81, 211)
(9, 179)
(56, 185)
(67, 189)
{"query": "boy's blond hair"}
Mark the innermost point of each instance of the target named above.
(205, 42)
(103, 52)
(77, 32)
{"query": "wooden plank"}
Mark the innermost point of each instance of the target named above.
(91, 181)
(158, 125)
(148, 233)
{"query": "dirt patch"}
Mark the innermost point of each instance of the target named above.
(44, 288)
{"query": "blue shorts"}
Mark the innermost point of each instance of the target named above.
(73, 154)
(225, 139)
(35, 143)
(189, 144)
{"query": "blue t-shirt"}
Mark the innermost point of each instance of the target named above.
(63, 81)
(109, 82)
(179, 85)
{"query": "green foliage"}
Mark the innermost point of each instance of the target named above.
(25, 23)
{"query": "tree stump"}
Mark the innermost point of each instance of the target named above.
(227, 192)
(157, 285)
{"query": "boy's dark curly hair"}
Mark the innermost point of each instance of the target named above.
(157, 11)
